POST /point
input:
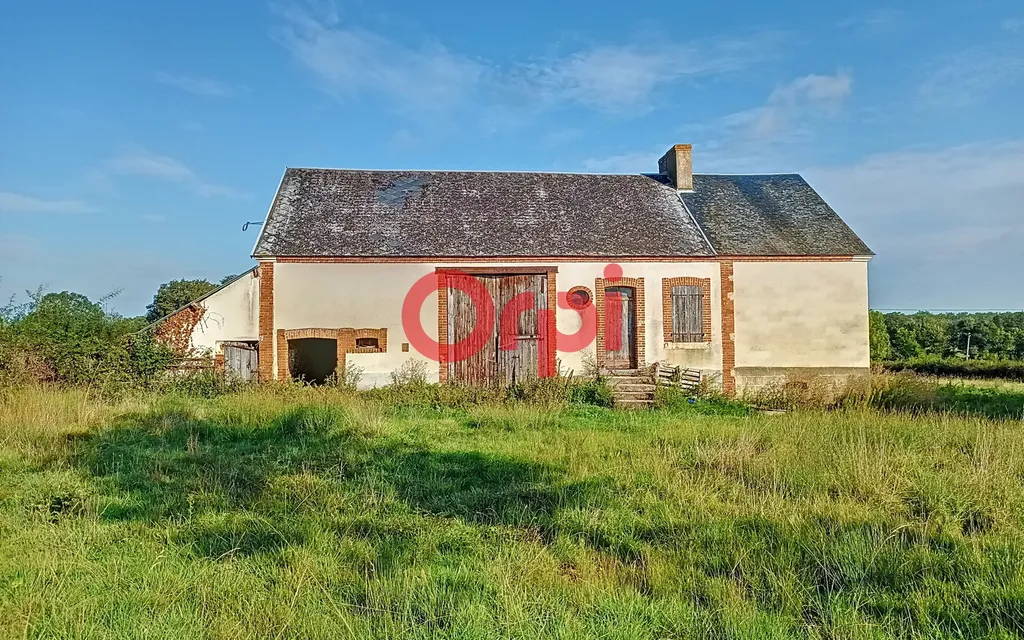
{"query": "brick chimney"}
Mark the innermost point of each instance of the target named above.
(677, 164)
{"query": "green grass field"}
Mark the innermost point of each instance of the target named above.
(309, 513)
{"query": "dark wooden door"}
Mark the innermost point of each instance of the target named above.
(493, 365)
(620, 327)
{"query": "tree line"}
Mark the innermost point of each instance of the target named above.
(987, 336)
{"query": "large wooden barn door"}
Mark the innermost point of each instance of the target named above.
(519, 349)
(493, 365)
(480, 368)
(620, 351)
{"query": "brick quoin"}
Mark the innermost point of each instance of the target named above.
(728, 329)
(442, 326)
(266, 322)
(552, 346)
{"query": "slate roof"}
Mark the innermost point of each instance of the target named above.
(769, 215)
(359, 213)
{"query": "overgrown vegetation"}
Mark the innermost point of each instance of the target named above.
(175, 294)
(66, 338)
(297, 512)
(1005, 369)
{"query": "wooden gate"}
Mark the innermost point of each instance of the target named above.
(241, 359)
(507, 356)
(620, 350)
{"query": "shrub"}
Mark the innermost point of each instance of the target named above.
(676, 399)
(956, 368)
(594, 392)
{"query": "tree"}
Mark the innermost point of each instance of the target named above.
(881, 348)
(905, 345)
(931, 332)
(174, 295)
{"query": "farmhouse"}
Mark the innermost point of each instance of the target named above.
(493, 277)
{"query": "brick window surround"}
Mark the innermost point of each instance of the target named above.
(346, 343)
(586, 290)
(666, 304)
(600, 284)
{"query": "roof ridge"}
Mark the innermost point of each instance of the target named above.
(487, 171)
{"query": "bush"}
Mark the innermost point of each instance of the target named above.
(594, 392)
(676, 399)
(65, 338)
(956, 368)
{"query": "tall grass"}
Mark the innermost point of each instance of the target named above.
(301, 513)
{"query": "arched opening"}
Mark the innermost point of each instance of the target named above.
(312, 360)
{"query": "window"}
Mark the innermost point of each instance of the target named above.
(578, 297)
(687, 313)
(367, 343)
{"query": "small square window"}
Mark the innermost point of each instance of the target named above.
(367, 343)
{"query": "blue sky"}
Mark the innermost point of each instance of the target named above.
(137, 137)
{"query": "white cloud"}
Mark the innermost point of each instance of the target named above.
(974, 183)
(793, 104)
(19, 203)
(968, 77)
(620, 77)
(348, 60)
(138, 161)
(874, 21)
(200, 86)
(946, 223)
(1013, 24)
(754, 140)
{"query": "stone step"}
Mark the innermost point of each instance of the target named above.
(633, 386)
(633, 404)
(613, 380)
(632, 390)
(633, 395)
